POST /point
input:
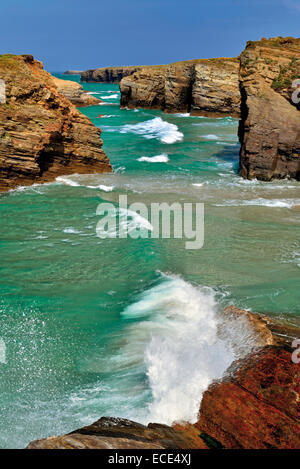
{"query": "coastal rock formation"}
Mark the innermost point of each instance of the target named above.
(42, 134)
(255, 405)
(73, 92)
(203, 87)
(108, 74)
(73, 72)
(110, 433)
(269, 129)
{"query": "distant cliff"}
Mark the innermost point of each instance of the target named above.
(208, 87)
(42, 134)
(270, 121)
(254, 406)
(108, 74)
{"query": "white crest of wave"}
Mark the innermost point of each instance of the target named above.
(183, 350)
(274, 203)
(163, 158)
(211, 137)
(129, 221)
(155, 128)
(102, 187)
(67, 181)
(112, 96)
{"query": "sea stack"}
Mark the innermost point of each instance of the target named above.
(42, 134)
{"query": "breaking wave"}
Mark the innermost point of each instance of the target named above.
(275, 203)
(155, 128)
(177, 334)
(155, 159)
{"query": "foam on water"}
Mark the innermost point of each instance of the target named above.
(178, 335)
(155, 128)
(112, 96)
(274, 203)
(155, 159)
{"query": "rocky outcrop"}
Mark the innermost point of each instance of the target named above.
(270, 121)
(256, 405)
(42, 134)
(111, 433)
(73, 72)
(73, 92)
(108, 74)
(203, 87)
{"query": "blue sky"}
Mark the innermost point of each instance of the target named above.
(73, 34)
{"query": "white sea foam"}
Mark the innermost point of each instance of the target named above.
(112, 96)
(197, 184)
(163, 158)
(183, 114)
(67, 181)
(71, 230)
(102, 187)
(129, 221)
(275, 203)
(155, 128)
(178, 334)
(211, 137)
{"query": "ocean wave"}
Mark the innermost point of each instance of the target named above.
(176, 329)
(210, 137)
(67, 181)
(163, 158)
(275, 203)
(155, 128)
(183, 114)
(112, 96)
(128, 221)
(102, 187)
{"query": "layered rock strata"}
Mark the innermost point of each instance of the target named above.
(203, 87)
(256, 404)
(108, 74)
(270, 119)
(42, 134)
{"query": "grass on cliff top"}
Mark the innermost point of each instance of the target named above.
(278, 42)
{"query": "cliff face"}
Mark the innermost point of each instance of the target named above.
(42, 135)
(108, 74)
(255, 406)
(207, 87)
(270, 121)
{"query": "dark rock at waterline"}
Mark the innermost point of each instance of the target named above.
(256, 404)
(72, 72)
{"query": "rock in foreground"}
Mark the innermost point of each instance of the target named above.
(42, 134)
(255, 406)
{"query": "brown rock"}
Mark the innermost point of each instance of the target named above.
(202, 87)
(270, 122)
(42, 134)
(73, 92)
(257, 405)
(113, 433)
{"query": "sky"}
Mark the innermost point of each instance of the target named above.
(73, 34)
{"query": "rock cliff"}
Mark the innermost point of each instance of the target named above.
(270, 121)
(73, 92)
(203, 87)
(108, 74)
(255, 405)
(42, 134)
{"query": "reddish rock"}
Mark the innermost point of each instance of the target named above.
(257, 405)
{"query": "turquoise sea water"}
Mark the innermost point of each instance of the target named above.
(126, 327)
